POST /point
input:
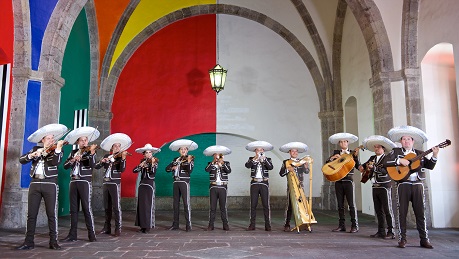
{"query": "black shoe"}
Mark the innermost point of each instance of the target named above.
(339, 229)
(287, 228)
(117, 232)
(54, 246)
(92, 239)
(426, 244)
(142, 230)
(188, 228)
(378, 235)
(105, 231)
(250, 228)
(402, 243)
(210, 228)
(354, 230)
(173, 228)
(68, 239)
(268, 228)
(226, 227)
(25, 247)
(389, 235)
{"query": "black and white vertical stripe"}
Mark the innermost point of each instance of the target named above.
(5, 71)
(80, 119)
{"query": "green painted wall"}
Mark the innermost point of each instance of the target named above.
(74, 94)
(199, 181)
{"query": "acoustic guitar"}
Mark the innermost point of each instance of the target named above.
(401, 172)
(340, 167)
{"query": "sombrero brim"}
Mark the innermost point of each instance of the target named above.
(176, 145)
(395, 134)
(57, 130)
(335, 138)
(153, 150)
(259, 144)
(121, 138)
(217, 149)
(370, 142)
(89, 132)
(300, 146)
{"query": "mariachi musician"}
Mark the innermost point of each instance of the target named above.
(218, 170)
(145, 214)
(81, 161)
(114, 164)
(259, 185)
(412, 187)
(181, 167)
(293, 148)
(381, 183)
(45, 158)
(345, 188)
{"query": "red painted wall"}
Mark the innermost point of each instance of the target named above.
(7, 32)
(164, 93)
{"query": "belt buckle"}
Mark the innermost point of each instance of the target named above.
(39, 176)
(76, 177)
(106, 179)
(177, 178)
(258, 180)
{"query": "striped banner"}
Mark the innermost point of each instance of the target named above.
(5, 80)
(80, 119)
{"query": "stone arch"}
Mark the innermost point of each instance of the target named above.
(57, 34)
(108, 89)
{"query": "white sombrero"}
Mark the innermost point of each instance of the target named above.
(89, 132)
(190, 144)
(124, 140)
(395, 134)
(335, 138)
(370, 142)
(57, 130)
(300, 146)
(217, 149)
(148, 147)
(259, 144)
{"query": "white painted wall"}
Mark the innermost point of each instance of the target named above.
(269, 96)
(442, 121)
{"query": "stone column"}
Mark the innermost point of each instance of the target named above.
(331, 123)
(382, 103)
(14, 200)
(101, 120)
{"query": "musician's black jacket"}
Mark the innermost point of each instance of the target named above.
(147, 172)
(398, 153)
(379, 173)
(51, 161)
(300, 170)
(356, 166)
(184, 170)
(224, 170)
(87, 163)
(118, 166)
(266, 165)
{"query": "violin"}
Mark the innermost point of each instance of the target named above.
(88, 148)
(149, 161)
(184, 159)
(119, 154)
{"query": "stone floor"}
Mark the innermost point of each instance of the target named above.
(236, 243)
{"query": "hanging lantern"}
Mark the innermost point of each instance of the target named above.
(217, 78)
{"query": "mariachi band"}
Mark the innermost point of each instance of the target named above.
(402, 164)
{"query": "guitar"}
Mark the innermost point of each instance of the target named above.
(340, 167)
(401, 172)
